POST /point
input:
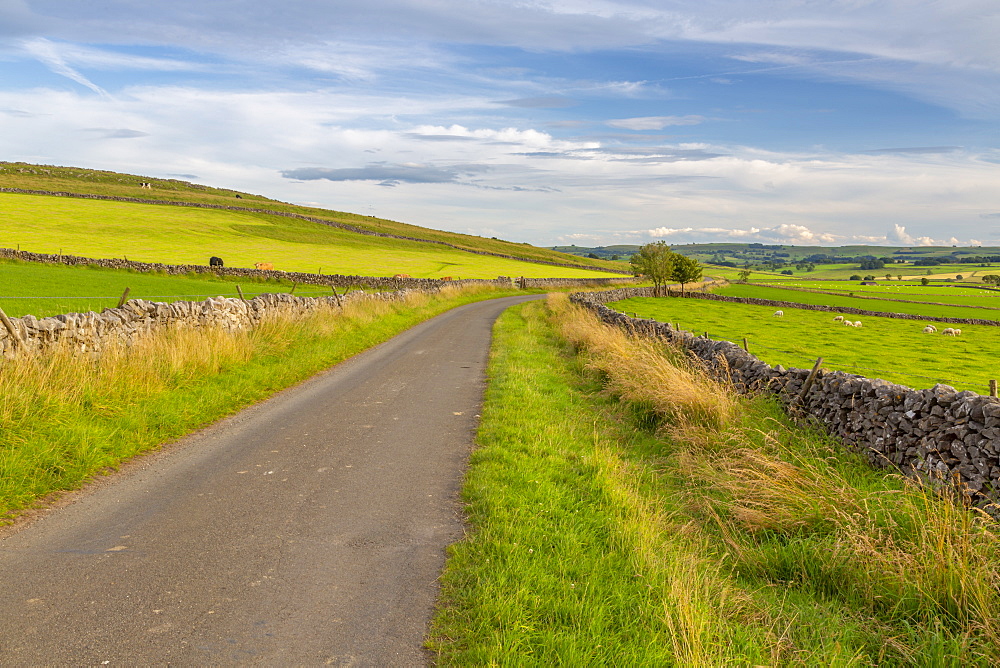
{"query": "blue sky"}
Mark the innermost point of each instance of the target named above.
(592, 122)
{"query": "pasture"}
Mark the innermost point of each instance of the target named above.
(975, 306)
(180, 235)
(43, 289)
(896, 350)
(843, 272)
(958, 294)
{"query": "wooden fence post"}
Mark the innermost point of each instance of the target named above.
(121, 302)
(239, 291)
(16, 335)
(294, 285)
(340, 304)
(809, 382)
(745, 346)
(993, 388)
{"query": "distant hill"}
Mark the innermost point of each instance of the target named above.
(17, 176)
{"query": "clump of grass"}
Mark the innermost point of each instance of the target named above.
(644, 371)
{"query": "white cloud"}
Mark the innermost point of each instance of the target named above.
(49, 54)
(654, 122)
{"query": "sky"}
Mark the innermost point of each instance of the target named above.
(587, 122)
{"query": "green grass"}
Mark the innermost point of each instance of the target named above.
(88, 181)
(66, 417)
(946, 293)
(180, 235)
(913, 306)
(44, 289)
(597, 540)
(895, 350)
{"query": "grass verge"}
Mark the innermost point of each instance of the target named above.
(66, 417)
(621, 526)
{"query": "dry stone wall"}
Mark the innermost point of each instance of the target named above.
(937, 432)
(93, 332)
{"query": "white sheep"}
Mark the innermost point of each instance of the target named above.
(778, 314)
(838, 318)
(957, 331)
(848, 323)
(857, 323)
(948, 331)
(928, 329)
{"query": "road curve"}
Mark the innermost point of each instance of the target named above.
(307, 530)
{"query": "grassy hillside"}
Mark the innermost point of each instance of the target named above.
(97, 182)
(181, 235)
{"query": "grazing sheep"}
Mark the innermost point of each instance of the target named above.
(857, 323)
(948, 331)
(928, 329)
(838, 318)
(778, 314)
(957, 332)
(848, 323)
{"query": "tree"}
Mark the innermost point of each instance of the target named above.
(685, 270)
(655, 262)
(745, 276)
(924, 281)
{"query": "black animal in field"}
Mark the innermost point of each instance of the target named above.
(215, 261)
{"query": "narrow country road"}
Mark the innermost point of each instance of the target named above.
(307, 530)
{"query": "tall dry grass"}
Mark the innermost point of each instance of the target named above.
(648, 372)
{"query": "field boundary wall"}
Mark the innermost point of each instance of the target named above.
(93, 332)
(938, 432)
(312, 219)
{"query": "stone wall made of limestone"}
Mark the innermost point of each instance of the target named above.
(93, 332)
(938, 432)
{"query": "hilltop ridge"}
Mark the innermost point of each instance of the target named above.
(101, 184)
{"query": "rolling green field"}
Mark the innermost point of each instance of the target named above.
(914, 307)
(896, 350)
(98, 182)
(179, 235)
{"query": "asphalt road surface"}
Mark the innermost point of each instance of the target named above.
(307, 530)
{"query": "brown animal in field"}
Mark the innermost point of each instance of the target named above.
(401, 276)
(264, 266)
(445, 278)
